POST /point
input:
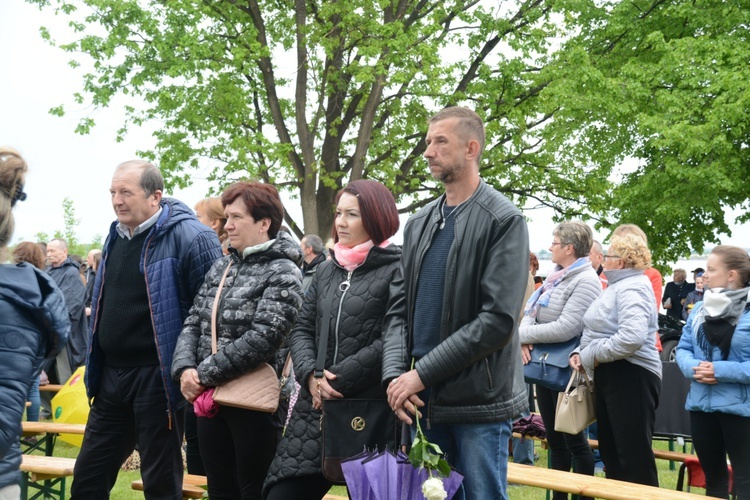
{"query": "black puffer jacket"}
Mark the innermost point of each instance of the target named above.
(259, 304)
(354, 351)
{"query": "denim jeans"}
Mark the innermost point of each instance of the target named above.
(32, 412)
(479, 452)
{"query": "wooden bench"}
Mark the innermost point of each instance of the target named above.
(46, 475)
(590, 486)
(50, 430)
(193, 486)
(50, 388)
(672, 456)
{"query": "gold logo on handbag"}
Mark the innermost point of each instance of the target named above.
(358, 424)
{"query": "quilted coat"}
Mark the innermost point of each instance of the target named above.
(177, 254)
(34, 327)
(258, 306)
(354, 351)
(732, 394)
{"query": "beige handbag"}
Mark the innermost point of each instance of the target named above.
(257, 390)
(576, 408)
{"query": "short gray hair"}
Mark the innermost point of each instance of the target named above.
(575, 233)
(314, 242)
(62, 242)
(597, 247)
(151, 179)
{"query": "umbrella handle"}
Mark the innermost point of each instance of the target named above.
(405, 437)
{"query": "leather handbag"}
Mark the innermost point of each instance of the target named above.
(349, 426)
(549, 365)
(257, 390)
(576, 407)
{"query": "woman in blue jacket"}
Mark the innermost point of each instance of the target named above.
(714, 352)
(34, 326)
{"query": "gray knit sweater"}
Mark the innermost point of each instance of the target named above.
(562, 319)
(621, 322)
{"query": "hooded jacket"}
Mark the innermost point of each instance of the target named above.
(732, 393)
(34, 327)
(354, 351)
(175, 258)
(68, 279)
(475, 373)
(258, 306)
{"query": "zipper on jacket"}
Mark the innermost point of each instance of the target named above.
(344, 287)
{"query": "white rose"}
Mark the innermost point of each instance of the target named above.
(432, 489)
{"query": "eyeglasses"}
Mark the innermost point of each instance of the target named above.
(558, 243)
(611, 256)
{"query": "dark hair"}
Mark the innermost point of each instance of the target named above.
(262, 201)
(735, 258)
(27, 251)
(12, 174)
(377, 208)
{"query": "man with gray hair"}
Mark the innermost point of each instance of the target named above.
(65, 271)
(312, 251)
(596, 256)
(153, 262)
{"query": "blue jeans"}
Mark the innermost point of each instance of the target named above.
(32, 412)
(479, 452)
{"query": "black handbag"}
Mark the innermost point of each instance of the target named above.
(350, 425)
(549, 365)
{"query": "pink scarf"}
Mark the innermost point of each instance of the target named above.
(351, 258)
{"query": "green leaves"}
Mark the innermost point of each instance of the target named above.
(424, 454)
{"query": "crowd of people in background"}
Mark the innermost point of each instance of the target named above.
(179, 302)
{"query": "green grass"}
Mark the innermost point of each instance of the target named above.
(123, 491)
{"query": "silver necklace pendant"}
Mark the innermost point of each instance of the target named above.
(442, 224)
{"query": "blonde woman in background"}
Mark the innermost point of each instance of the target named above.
(210, 213)
(617, 347)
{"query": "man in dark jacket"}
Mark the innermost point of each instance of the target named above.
(65, 271)
(153, 262)
(455, 310)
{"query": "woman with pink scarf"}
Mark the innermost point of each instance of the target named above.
(350, 293)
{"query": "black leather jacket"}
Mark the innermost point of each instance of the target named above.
(475, 372)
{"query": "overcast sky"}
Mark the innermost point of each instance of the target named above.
(35, 77)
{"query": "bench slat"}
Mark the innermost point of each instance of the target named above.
(590, 486)
(45, 467)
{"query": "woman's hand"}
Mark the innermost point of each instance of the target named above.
(321, 389)
(575, 363)
(190, 385)
(526, 353)
(704, 373)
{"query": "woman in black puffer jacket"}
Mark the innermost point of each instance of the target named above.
(362, 265)
(258, 306)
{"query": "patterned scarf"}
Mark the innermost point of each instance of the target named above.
(722, 309)
(540, 298)
(351, 258)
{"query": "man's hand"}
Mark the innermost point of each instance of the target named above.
(526, 353)
(402, 395)
(321, 389)
(190, 385)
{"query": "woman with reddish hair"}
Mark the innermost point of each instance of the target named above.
(350, 293)
(257, 306)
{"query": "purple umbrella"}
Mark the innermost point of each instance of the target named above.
(357, 481)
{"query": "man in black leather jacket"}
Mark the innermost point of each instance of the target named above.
(454, 309)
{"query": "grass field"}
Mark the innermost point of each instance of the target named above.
(122, 490)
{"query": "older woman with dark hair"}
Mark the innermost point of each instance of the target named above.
(350, 293)
(618, 348)
(34, 325)
(554, 314)
(258, 305)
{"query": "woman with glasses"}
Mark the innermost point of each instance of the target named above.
(618, 349)
(554, 314)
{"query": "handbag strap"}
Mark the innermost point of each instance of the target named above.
(576, 375)
(323, 342)
(287, 370)
(216, 307)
